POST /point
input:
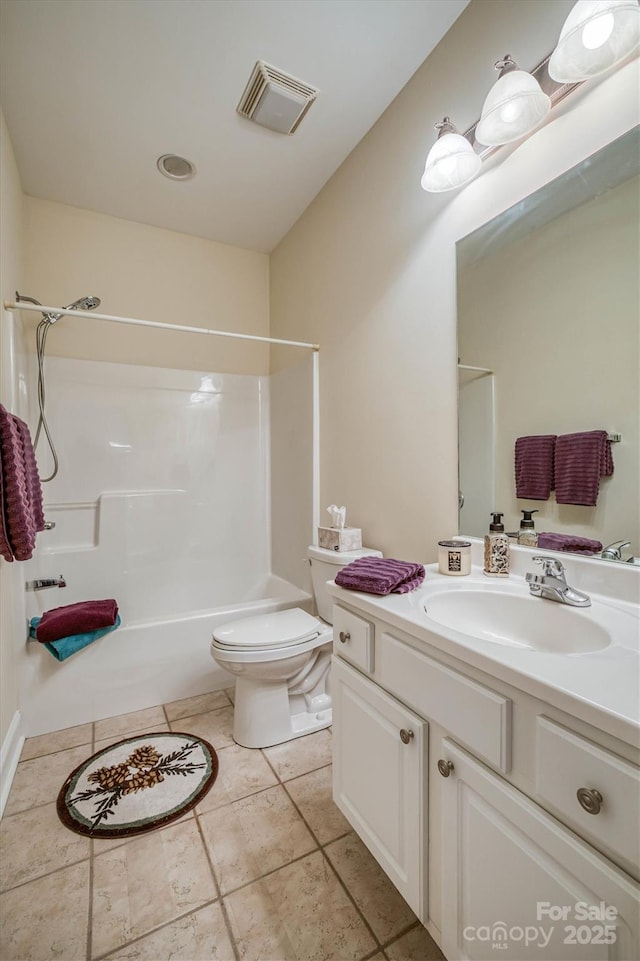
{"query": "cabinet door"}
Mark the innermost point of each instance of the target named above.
(517, 884)
(379, 779)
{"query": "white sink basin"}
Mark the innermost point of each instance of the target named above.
(517, 620)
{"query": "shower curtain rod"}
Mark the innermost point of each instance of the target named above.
(135, 321)
(481, 370)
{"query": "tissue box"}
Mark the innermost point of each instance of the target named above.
(347, 539)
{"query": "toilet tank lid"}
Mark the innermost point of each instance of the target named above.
(278, 629)
(340, 557)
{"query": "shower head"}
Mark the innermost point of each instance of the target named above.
(84, 303)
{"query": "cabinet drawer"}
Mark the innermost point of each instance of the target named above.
(353, 639)
(567, 762)
(473, 714)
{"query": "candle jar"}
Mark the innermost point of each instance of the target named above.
(454, 557)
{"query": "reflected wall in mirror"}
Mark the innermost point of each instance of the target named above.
(549, 344)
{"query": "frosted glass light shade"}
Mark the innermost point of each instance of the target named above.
(513, 107)
(596, 36)
(451, 162)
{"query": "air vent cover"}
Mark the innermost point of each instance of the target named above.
(274, 99)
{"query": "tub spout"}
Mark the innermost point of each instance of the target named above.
(45, 582)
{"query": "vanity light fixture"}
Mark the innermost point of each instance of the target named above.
(514, 106)
(597, 35)
(451, 162)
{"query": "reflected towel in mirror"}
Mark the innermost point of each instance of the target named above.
(534, 457)
(581, 460)
(568, 542)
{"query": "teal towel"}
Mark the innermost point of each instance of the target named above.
(64, 647)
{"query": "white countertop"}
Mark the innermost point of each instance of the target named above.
(600, 687)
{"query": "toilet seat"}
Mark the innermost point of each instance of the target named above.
(256, 656)
(277, 631)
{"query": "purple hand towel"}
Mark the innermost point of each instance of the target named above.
(381, 575)
(21, 490)
(5, 546)
(81, 618)
(568, 542)
(581, 460)
(534, 457)
(32, 477)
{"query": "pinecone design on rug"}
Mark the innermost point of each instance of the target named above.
(143, 769)
(134, 774)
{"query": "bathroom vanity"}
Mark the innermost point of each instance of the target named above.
(486, 750)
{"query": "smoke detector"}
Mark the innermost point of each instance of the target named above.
(275, 100)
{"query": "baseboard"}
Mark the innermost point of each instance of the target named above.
(9, 757)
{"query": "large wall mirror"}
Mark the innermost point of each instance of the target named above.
(549, 344)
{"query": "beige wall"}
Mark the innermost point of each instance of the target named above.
(148, 273)
(369, 272)
(556, 316)
(11, 264)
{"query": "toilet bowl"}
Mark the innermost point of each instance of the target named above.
(281, 662)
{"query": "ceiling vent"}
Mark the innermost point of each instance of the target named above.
(274, 99)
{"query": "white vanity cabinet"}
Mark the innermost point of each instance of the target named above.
(516, 883)
(516, 864)
(380, 778)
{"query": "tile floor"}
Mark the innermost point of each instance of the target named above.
(265, 868)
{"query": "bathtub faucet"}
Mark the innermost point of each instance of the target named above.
(43, 583)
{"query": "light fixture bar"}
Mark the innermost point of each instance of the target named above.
(555, 91)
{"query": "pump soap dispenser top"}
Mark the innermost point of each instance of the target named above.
(527, 536)
(496, 549)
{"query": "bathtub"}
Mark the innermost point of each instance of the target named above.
(140, 665)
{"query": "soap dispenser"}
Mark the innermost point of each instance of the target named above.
(496, 549)
(527, 536)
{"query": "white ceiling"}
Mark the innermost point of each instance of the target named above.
(94, 91)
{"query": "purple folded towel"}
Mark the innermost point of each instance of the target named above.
(78, 618)
(22, 515)
(581, 460)
(381, 575)
(534, 457)
(568, 542)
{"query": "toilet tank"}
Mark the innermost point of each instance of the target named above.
(325, 564)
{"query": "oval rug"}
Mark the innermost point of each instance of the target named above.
(140, 783)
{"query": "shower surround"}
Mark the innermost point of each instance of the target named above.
(162, 501)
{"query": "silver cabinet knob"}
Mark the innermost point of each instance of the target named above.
(405, 736)
(445, 767)
(344, 636)
(590, 799)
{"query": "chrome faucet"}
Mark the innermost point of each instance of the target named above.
(552, 584)
(44, 582)
(613, 552)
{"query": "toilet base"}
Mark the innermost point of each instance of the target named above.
(266, 714)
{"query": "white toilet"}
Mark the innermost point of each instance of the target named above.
(281, 662)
